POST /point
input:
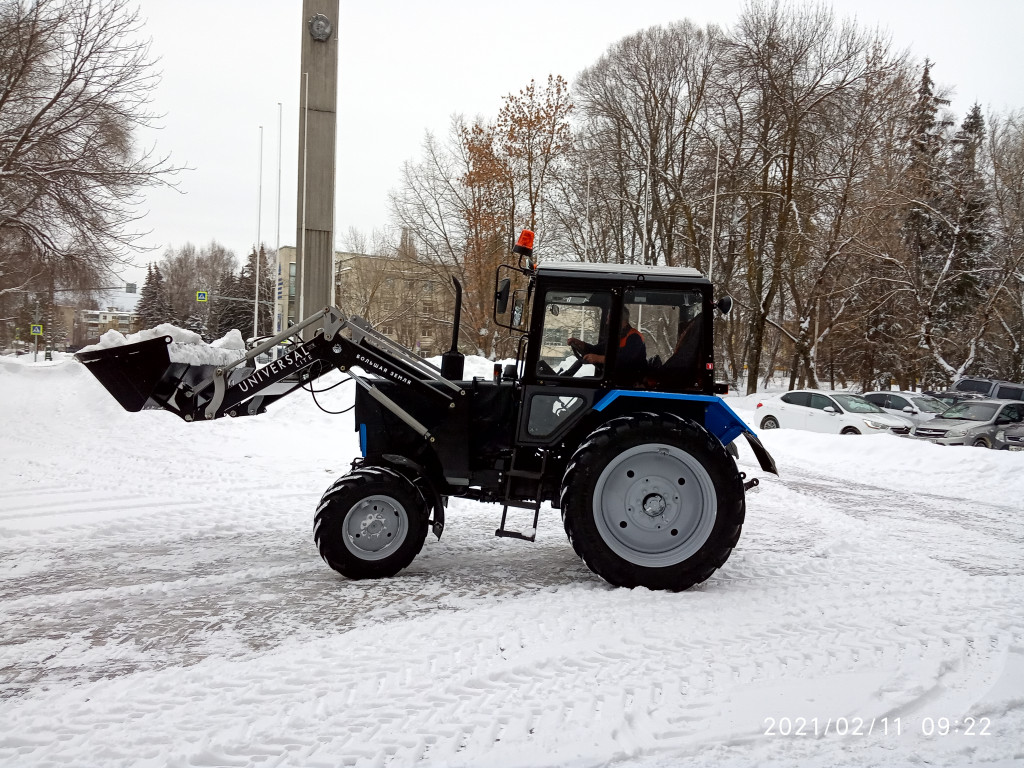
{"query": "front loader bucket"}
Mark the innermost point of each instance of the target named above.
(141, 375)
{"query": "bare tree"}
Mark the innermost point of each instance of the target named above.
(643, 152)
(467, 197)
(75, 81)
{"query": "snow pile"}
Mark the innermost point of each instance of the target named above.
(185, 347)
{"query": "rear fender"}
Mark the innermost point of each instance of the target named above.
(719, 419)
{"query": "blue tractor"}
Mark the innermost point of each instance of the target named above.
(610, 413)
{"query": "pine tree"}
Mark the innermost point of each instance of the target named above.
(970, 201)
(247, 290)
(145, 307)
(197, 324)
(153, 307)
(924, 176)
(222, 309)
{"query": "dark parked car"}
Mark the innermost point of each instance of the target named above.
(991, 388)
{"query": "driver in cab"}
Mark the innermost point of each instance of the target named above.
(632, 349)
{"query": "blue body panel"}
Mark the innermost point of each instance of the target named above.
(362, 440)
(719, 419)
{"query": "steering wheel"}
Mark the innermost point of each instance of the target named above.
(577, 352)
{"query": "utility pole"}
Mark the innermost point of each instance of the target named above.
(276, 326)
(714, 209)
(586, 232)
(259, 222)
(317, 139)
(35, 337)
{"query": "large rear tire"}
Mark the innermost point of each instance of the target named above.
(652, 500)
(370, 524)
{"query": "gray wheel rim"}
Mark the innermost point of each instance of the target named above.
(655, 505)
(375, 527)
(770, 423)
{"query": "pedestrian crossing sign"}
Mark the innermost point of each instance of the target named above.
(201, 295)
(36, 329)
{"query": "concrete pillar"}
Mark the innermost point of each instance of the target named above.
(318, 106)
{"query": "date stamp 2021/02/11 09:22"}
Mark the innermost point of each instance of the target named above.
(817, 727)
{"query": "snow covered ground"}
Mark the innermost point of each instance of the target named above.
(162, 604)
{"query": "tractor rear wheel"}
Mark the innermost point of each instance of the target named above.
(652, 500)
(370, 524)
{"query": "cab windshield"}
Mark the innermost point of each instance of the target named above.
(857, 404)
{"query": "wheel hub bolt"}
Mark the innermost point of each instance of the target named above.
(654, 505)
(373, 525)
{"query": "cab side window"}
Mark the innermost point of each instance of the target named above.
(671, 329)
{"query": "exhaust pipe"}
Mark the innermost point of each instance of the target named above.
(453, 362)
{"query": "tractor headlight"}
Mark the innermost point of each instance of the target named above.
(875, 424)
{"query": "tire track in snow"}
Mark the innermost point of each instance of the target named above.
(479, 652)
(968, 535)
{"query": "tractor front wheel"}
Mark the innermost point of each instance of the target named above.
(652, 500)
(370, 524)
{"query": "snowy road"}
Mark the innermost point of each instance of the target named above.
(161, 603)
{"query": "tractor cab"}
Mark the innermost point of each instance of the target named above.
(626, 328)
(609, 326)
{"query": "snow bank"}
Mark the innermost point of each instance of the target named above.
(185, 347)
(911, 465)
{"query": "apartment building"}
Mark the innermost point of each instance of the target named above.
(90, 324)
(402, 298)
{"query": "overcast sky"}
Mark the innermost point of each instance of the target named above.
(406, 66)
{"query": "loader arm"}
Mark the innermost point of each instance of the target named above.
(142, 375)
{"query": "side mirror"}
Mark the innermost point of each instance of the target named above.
(829, 409)
(909, 409)
(501, 296)
(517, 313)
(724, 304)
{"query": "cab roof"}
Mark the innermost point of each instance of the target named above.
(627, 272)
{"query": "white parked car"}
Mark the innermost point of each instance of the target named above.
(910, 405)
(833, 412)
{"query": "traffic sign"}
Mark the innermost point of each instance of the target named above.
(36, 329)
(201, 295)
